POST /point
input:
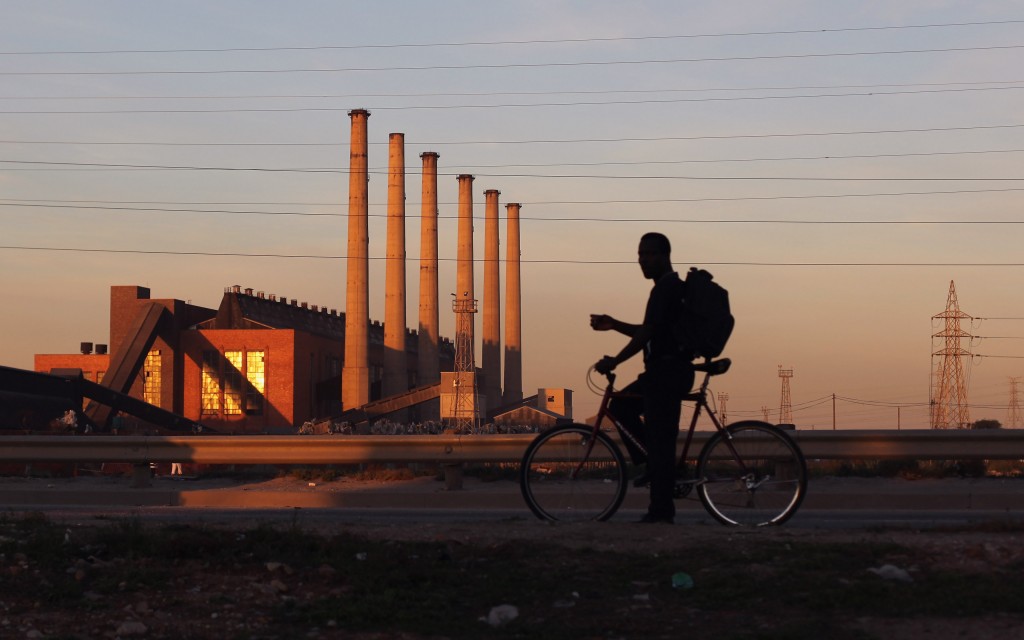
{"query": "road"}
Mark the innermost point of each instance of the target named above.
(831, 503)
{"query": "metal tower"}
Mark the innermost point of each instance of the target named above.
(766, 411)
(465, 409)
(1013, 418)
(723, 399)
(786, 403)
(949, 384)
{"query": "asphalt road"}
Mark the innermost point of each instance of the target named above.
(856, 519)
(831, 503)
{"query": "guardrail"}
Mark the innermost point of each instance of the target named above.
(923, 444)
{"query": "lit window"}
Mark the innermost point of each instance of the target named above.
(151, 375)
(256, 376)
(233, 383)
(211, 384)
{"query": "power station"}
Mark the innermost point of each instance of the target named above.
(263, 363)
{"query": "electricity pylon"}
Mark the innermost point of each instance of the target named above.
(786, 402)
(949, 407)
(723, 399)
(1013, 418)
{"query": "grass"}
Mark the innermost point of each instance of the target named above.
(749, 588)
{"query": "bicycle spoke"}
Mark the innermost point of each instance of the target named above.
(753, 476)
(567, 474)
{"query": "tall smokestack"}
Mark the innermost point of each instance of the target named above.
(490, 355)
(513, 310)
(355, 377)
(429, 364)
(464, 260)
(396, 375)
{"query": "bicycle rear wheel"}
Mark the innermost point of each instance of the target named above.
(752, 474)
(569, 474)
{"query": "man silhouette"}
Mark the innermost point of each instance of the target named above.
(668, 375)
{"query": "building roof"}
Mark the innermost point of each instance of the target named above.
(243, 309)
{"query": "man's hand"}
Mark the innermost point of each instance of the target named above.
(601, 322)
(605, 365)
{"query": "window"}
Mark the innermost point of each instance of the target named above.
(151, 375)
(234, 383)
(210, 393)
(256, 376)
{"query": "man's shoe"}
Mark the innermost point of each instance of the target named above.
(649, 519)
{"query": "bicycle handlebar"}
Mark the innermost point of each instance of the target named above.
(610, 376)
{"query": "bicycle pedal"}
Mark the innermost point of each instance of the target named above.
(682, 489)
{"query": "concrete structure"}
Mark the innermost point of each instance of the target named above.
(464, 287)
(396, 377)
(513, 383)
(355, 384)
(466, 411)
(557, 401)
(256, 364)
(490, 351)
(452, 395)
(428, 370)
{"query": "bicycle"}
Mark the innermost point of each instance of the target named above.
(750, 473)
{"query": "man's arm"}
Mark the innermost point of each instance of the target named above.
(601, 322)
(641, 334)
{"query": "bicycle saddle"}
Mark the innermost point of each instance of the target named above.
(713, 367)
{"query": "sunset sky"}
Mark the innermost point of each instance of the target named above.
(834, 165)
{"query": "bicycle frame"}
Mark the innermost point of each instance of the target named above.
(700, 398)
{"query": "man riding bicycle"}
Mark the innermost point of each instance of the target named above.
(668, 376)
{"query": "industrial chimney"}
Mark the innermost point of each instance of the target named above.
(355, 377)
(396, 375)
(429, 364)
(464, 259)
(513, 310)
(490, 354)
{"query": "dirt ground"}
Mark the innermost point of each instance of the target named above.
(78, 578)
(94, 591)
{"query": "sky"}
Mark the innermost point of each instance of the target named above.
(836, 166)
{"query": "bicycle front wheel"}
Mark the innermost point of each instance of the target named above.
(751, 474)
(571, 473)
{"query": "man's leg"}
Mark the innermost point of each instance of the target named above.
(627, 411)
(662, 408)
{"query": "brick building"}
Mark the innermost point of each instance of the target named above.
(257, 364)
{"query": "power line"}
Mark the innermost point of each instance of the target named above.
(491, 94)
(520, 42)
(770, 159)
(545, 141)
(750, 221)
(524, 261)
(510, 65)
(923, 154)
(594, 202)
(434, 107)
(118, 166)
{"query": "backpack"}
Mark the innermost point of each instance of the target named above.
(705, 322)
